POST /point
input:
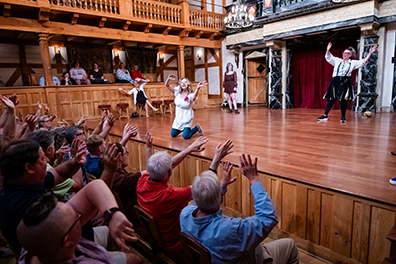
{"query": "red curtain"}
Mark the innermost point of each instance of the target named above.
(311, 73)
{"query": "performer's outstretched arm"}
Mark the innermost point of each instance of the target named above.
(167, 82)
(372, 49)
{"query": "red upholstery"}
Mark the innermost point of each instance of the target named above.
(122, 105)
(158, 102)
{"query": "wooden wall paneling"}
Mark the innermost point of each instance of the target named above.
(382, 220)
(142, 156)
(188, 170)
(204, 165)
(246, 197)
(86, 102)
(326, 220)
(134, 162)
(276, 196)
(175, 179)
(75, 104)
(341, 232)
(266, 181)
(360, 231)
(313, 215)
(234, 192)
(294, 209)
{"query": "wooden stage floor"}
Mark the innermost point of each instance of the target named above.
(353, 158)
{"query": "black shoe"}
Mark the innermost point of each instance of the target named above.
(323, 118)
(343, 120)
(236, 111)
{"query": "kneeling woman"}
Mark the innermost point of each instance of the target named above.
(138, 94)
(184, 99)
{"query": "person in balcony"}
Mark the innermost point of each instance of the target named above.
(79, 74)
(96, 75)
(67, 80)
(54, 79)
(122, 75)
(341, 87)
(138, 94)
(136, 73)
(230, 87)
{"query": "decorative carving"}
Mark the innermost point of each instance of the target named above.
(369, 29)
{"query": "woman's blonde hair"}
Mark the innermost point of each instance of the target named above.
(189, 87)
(353, 52)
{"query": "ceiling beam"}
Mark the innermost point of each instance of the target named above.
(144, 44)
(185, 33)
(198, 35)
(44, 14)
(148, 27)
(213, 36)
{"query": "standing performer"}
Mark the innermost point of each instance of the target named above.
(230, 87)
(184, 99)
(138, 94)
(341, 87)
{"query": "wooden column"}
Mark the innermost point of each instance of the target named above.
(180, 62)
(185, 13)
(45, 56)
(23, 65)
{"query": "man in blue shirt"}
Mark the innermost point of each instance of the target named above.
(54, 79)
(235, 240)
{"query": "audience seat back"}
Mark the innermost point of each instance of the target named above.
(194, 249)
(149, 224)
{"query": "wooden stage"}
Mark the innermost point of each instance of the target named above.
(329, 182)
(353, 158)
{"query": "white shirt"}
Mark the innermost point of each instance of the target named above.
(77, 74)
(134, 91)
(343, 69)
(184, 112)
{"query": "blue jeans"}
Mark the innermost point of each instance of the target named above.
(187, 132)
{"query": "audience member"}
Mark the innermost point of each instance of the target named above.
(67, 80)
(122, 75)
(58, 225)
(44, 123)
(96, 75)
(136, 73)
(95, 145)
(79, 74)
(235, 240)
(2, 84)
(54, 79)
(165, 202)
(138, 94)
(23, 167)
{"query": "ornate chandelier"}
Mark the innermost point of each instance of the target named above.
(238, 17)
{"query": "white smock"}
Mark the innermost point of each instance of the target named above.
(184, 112)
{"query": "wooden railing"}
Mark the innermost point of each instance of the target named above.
(105, 6)
(199, 18)
(157, 11)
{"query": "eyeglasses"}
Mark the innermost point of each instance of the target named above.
(70, 229)
(79, 134)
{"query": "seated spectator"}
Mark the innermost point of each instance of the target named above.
(136, 73)
(235, 240)
(165, 202)
(67, 80)
(50, 231)
(2, 84)
(54, 79)
(95, 145)
(44, 123)
(23, 167)
(79, 74)
(96, 75)
(122, 75)
(138, 94)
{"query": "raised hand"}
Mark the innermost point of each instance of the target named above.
(121, 230)
(149, 145)
(7, 102)
(31, 121)
(14, 99)
(110, 157)
(197, 145)
(373, 48)
(201, 84)
(223, 150)
(227, 171)
(82, 120)
(63, 123)
(329, 46)
(171, 77)
(39, 105)
(110, 119)
(60, 153)
(248, 168)
(130, 131)
(78, 151)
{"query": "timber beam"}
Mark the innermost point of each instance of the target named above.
(44, 14)
(51, 27)
(126, 25)
(198, 35)
(75, 18)
(102, 22)
(147, 28)
(166, 31)
(213, 36)
(185, 33)
(7, 10)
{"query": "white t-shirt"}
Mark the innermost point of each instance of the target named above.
(77, 74)
(184, 112)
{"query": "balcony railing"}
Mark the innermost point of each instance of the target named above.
(105, 6)
(157, 11)
(199, 18)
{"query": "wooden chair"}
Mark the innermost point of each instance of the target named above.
(157, 104)
(140, 109)
(197, 253)
(121, 108)
(149, 224)
(105, 108)
(168, 105)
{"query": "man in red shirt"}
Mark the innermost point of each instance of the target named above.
(165, 202)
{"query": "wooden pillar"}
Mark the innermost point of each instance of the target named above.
(185, 13)
(180, 62)
(23, 65)
(45, 56)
